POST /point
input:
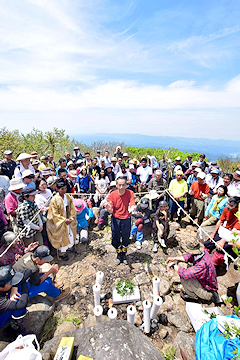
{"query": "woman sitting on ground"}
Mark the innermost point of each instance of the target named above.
(216, 206)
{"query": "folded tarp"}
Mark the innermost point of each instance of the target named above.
(210, 344)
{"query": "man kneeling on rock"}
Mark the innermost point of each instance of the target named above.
(200, 280)
(39, 280)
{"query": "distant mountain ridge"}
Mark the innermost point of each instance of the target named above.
(214, 149)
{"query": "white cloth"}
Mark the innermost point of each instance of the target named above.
(102, 183)
(70, 233)
(214, 183)
(42, 198)
(116, 169)
(144, 173)
(20, 169)
(127, 175)
(4, 183)
(107, 160)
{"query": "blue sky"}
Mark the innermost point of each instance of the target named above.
(150, 67)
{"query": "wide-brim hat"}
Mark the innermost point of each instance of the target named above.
(16, 184)
(27, 173)
(195, 163)
(201, 175)
(28, 190)
(178, 158)
(70, 163)
(135, 161)
(51, 180)
(215, 171)
(9, 276)
(192, 246)
(152, 195)
(125, 155)
(46, 171)
(114, 159)
(24, 156)
(73, 173)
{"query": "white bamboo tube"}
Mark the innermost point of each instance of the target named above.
(112, 313)
(98, 310)
(157, 302)
(131, 311)
(156, 283)
(96, 294)
(146, 315)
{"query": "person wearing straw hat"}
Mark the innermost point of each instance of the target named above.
(61, 220)
(24, 164)
(200, 280)
(11, 201)
(28, 178)
(28, 217)
(44, 162)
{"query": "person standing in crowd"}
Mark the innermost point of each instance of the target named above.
(4, 180)
(124, 173)
(213, 180)
(216, 206)
(178, 166)
(125, 158)
(88, 161)
(202, 163)
(115, 166)
(11, 201)
(101, 185)
(61, 220)
(83, 181)
(118, 153)
(227, 181)
(28, 179)
(67, 156)
(99, 158)
(77, 154)
(157, 182)
(82, 209)
(44, 162)
(106, 158)
(51, 162)
(62, 174)
(145, 173)
(24, 164)
(134, 180)
(62, 165)
(160, 226)
(8, 165)
(236, 182)
(188, 162)
(200, 191)
(29, 220)
(178, 189)
(121, 204)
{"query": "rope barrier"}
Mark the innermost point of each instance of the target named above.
(139, 193)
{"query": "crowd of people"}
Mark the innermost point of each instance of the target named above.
(45, 209)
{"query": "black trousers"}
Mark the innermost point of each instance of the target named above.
(120, 230)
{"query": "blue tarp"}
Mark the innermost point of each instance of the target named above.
(211, 345)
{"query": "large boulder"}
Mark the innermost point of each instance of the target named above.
(39, 310)
(115, 339)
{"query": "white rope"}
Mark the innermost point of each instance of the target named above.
(25, 227)
(201, 229)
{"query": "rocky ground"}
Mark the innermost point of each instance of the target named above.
(174, 331)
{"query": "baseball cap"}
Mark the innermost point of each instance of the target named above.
(9, 276)
(28, 190)
(43, 252)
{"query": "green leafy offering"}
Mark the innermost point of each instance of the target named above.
(125, 287)
(211, 315)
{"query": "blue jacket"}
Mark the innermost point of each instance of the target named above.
(81, 217)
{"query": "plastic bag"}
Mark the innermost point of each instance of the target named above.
(22, 349)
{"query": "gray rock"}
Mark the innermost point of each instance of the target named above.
(39, 310)
(163, 333)
(179, 320)
(186, 343)
(3, 344)
(115, 339)
(164, 287)
(141, 279)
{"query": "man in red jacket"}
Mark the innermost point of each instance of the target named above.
(120, 204)
(200, 191)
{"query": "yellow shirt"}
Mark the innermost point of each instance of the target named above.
(178, 188)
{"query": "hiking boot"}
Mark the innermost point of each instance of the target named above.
(118, 259)
(162, 243)
(124, 256)
(155, 247)
(63, 294)
(185, 297)
(11, 334)
(138, 245)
